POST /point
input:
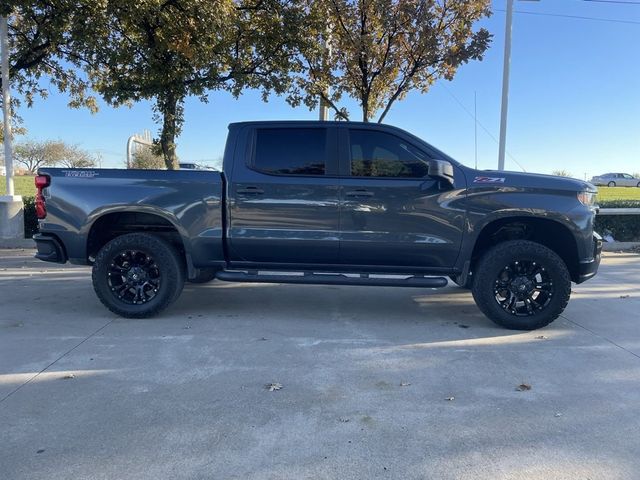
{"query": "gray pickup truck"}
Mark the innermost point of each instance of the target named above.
(338, 203)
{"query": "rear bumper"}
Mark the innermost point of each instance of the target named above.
(49, 249)
(589, 267)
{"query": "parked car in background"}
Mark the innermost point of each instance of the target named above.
(195, 166)
(616, 180)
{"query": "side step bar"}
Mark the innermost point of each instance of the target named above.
(331, 279)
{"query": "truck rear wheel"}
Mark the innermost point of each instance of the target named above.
(138, 275)
(521, 285)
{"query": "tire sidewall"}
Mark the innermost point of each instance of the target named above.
(502, 255)
(164, 255)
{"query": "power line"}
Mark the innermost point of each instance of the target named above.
(578, 17)
(481, 125)
(620, 2)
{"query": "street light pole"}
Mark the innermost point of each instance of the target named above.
(6, 104)
(505, 85)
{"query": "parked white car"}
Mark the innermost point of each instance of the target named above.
(616, 180)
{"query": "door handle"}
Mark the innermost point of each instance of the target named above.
(250, 190)
(359, 193)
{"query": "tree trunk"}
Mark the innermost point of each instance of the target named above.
(365, 108)
(168, 106)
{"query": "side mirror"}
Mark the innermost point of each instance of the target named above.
(441, 169)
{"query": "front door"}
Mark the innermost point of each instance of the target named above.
(283, 206)
(393, 213)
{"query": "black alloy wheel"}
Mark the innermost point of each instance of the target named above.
(134, 277)
(138, 275)
(521, 285)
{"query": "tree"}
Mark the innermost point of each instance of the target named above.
(168, 50)
(42, 38)
(72, 156)
(35, 154)
(146, 158)
(16, 127)
(561, 173)
(376, 51)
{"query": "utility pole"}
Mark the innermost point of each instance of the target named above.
(11, 206)
(505, 85)
(475, 126)
(6, 104)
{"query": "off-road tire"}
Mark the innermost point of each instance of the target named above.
(492, 264)
(170, 268)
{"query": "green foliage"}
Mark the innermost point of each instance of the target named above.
(17, 127)
(42, 38)
(166, 51)
(619, 203)
(623, 228)
(30, 218)
(379, 50)
(146, 158)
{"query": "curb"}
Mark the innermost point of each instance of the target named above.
(17, 243)
(620, 246)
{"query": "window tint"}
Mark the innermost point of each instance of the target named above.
(378, 154)
(291, 151)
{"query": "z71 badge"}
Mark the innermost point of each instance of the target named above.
(489, 180)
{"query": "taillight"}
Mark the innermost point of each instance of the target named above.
(42, 182)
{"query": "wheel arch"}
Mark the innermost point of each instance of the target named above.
(551, 233)
(108, 224)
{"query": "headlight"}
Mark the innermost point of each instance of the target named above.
(587, 198)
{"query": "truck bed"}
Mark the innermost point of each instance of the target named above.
(190, 201)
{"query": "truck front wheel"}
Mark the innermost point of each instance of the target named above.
(521, 285)
(138, 275)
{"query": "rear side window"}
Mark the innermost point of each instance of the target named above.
(379, 154)
(291, 151)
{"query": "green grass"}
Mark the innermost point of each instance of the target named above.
(618, 193)
(23, 186)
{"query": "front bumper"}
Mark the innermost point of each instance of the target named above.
(589, 268)
(49, 249)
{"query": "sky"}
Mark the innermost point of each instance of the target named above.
(574, 101)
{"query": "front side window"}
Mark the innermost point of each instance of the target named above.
(291, 151)
(379, 154)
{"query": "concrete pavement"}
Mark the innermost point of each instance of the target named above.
(367, 376)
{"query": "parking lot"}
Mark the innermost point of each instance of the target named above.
(376, 383)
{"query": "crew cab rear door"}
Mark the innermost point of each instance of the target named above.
(283, 197)
(393, 213)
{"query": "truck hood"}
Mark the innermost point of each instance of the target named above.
(528, 180)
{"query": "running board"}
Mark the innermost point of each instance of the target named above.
(331, 279)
